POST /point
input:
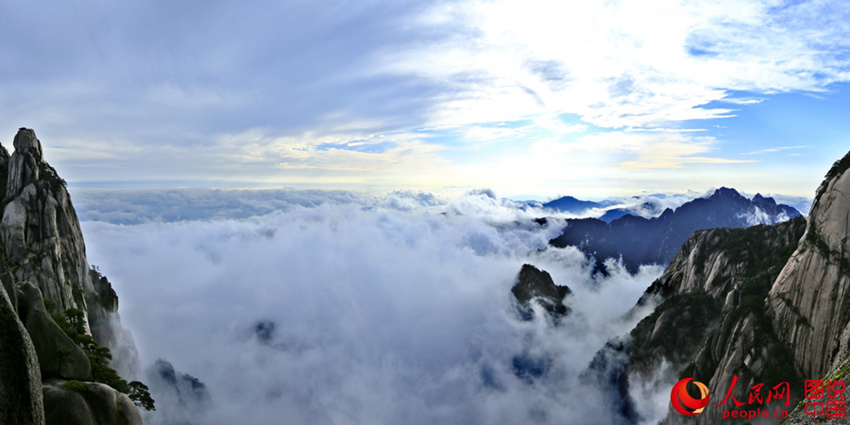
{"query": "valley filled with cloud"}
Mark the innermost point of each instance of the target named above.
(390, 309)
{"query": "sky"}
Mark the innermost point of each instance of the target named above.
(529, 98)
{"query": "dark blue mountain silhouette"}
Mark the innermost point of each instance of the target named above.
(571, 205)
(656, 240)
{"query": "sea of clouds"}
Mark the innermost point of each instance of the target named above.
(341, 308)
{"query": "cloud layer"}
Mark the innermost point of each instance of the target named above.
(346, 312)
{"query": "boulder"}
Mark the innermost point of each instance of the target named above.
(26, 142)
(87, 403)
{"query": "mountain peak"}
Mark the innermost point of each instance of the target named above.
(571, 204)
(26, 166)
(726, 192)
(639, 240)
(26, 142)
(758, 199)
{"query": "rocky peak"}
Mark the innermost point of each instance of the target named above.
(26, 166)
(639, 240)
(726, 192)
(26, 142)
(41, 236)
(535, 285)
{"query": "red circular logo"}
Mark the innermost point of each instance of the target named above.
(684, 403)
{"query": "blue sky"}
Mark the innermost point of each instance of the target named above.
(530, 98)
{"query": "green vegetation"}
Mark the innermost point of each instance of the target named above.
(140, 395)
(75, 385)
(73, 323)
(49, 174)
(760, 247)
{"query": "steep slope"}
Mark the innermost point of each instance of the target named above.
(640, 240)
(762, 305)
(736, 336)
(810, 302)
(710, 322)
(65, 313)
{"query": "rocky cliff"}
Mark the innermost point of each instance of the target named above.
(58, 315)
(713, 325)
(766, 304)
(710, 320)
(810, 301)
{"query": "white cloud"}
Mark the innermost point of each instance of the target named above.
(626, 63)
(383, 314)
(773, 150)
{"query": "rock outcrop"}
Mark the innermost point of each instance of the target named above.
(186, 399)
(535, 285)
(88, 403)
(45, 278)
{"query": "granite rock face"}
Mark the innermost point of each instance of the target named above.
(43, 262)
(767, 304)
(810, 301)
(710, 322)
(39, 230)
(20, 377)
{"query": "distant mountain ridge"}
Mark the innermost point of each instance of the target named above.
(656, 240)
(571, 205)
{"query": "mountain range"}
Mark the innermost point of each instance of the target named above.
(638, 240)
(572, 205)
